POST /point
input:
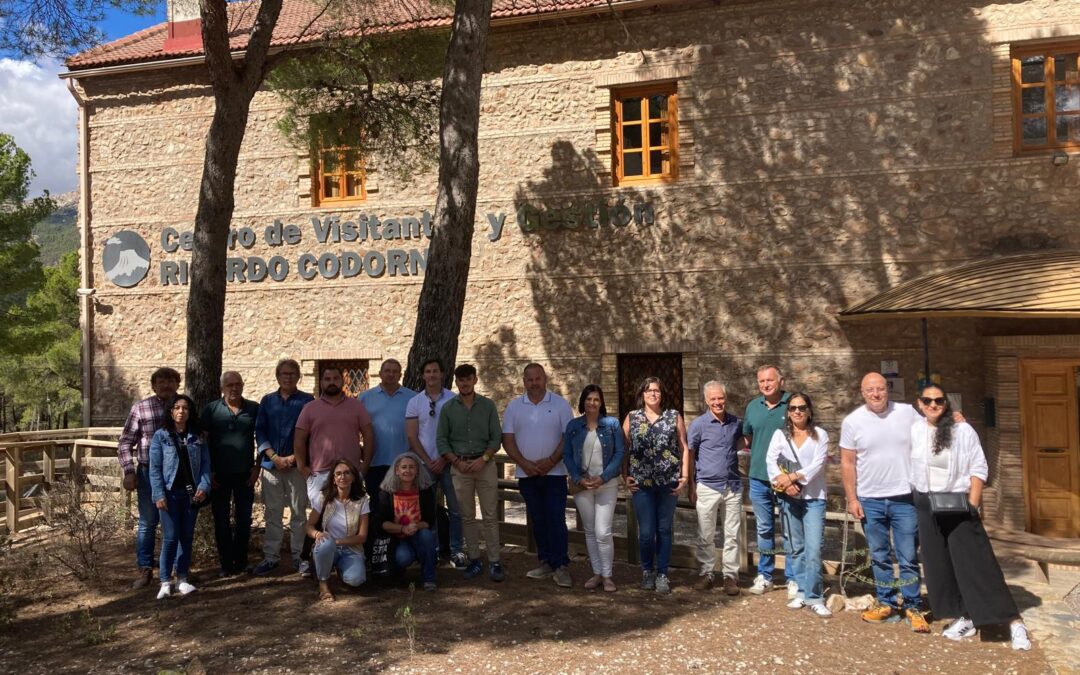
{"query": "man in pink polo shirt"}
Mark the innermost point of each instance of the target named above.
(330, 427)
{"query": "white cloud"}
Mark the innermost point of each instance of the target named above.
(39, 112)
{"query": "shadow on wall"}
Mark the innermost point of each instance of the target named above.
(830, 162)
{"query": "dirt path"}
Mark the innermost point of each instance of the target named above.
(274, 625)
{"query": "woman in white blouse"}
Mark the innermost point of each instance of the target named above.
(796, 466)
(963, 579)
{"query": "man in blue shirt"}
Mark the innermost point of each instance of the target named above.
(281, 481)
(386, 404)
(715, 439)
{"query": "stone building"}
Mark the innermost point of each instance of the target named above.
(683, 188)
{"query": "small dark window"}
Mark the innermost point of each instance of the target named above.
(645, 134)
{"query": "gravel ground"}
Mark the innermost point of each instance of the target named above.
(275, 624)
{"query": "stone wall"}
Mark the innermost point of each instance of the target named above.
(829, 150)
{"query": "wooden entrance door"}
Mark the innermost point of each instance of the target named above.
(633, 368)
(1050, 429)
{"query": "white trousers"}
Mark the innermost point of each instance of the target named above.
(709, 503)
(597, 509)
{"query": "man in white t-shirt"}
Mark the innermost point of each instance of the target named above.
(421, 421)
(533, 428)
(875, 451)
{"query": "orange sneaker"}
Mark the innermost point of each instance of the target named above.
(917, 621)
(880, 613)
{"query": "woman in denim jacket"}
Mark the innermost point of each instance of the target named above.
(593, 449)
(179, 482)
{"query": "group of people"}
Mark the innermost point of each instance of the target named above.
(910, 475)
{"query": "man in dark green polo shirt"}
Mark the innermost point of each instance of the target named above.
(229, 423)
(468, 436)
(764, 415)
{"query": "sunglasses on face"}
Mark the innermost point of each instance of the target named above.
(926, 400)
(798, 408)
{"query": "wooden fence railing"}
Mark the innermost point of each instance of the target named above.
(34, 459)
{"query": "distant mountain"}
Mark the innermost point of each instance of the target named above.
(59, 233)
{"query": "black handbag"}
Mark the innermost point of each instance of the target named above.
(944, 503)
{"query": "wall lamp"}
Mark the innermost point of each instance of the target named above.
(1060, 158)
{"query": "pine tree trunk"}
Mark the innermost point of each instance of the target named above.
(442, 297)
(234, 85)
(206, 293)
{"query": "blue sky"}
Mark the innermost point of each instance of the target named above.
(37, 109)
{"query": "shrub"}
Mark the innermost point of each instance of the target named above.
(82, 531)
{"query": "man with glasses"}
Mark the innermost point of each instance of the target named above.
(763, 416)
(875, 451)
(421, 421)
(281, 481)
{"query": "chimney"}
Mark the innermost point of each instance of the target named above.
(185, 26)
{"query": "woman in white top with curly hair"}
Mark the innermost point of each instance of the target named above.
(963, 578)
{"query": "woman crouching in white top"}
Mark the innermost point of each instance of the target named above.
(339, 525)
(796, 466)
(963, 579)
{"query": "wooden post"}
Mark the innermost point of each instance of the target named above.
(631, 532)
(48, 457)
(13, 488)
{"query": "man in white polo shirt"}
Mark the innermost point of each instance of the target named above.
(421, 421)
(533, 428)
(875, 452)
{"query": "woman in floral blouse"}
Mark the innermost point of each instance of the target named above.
(656, 468)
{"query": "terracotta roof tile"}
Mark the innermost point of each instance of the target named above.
(295, 25)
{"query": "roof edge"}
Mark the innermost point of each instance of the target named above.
(496, 22)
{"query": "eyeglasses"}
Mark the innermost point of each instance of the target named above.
(798, 408)
(342, 474)
(926, 400)
(431, 412)
(653, 391)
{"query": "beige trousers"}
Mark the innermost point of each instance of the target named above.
(483, 486)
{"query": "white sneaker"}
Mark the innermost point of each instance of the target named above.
(821, 610)
(796, 603)
(959, 629)
(1020, 639)
(185, 588)
(166, 591)
(792, 589)
(761, 584)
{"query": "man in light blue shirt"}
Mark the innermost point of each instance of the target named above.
(386, 404)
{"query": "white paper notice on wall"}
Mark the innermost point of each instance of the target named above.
(896, 388)
(890, 368)
(955, 400)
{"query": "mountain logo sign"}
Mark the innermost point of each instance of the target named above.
(126, 258)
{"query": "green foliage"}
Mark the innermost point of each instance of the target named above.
(379, 94)
(18, 252)
(37, 28)
(58, 233)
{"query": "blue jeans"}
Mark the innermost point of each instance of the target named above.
(350, 564)
(763, 499)
(804, 521)
(896, 514)
(422, 546)
(457, 537)
(149, 517)
(177, 533)
(545, 504)
(655, 510)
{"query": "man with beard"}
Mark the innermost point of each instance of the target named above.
(329, 428)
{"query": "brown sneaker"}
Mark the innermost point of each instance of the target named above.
(143, 580)
(731, 586)
(879, 613)
(917, 621)
(704, 582)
